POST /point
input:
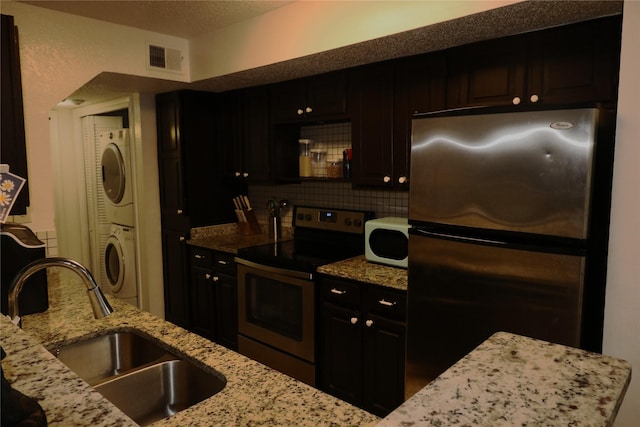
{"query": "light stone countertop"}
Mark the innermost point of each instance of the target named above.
(254, 394)
(511, 380)
(358, 269)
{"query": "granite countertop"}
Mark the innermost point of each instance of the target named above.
(254, 394)
(359, 269)
(511, 380)
(225, 238)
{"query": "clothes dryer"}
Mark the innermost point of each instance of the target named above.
(117, 177)
(120, 264)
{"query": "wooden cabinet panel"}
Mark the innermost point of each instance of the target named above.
(362, 353)
(321, 97)
(341, 353)
(372, 125)
(176, 277)
(566, 65)
(202, 295)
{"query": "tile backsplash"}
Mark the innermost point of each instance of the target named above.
(337, 195)
(50, 239)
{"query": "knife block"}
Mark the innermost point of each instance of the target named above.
(251, 226)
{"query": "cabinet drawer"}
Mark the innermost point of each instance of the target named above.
(341, 292)
(387, 303)
(225, 264)
(201, 256)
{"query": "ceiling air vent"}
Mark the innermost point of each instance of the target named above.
(162, 58)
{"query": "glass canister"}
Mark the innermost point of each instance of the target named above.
(334, 168)
(319, 162)
(305, 157)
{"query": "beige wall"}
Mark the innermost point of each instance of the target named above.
(622, 307)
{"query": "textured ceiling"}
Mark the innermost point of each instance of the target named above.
(179, 18)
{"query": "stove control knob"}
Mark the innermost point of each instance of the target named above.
(357, 223)
(347, 221)
(307, 217)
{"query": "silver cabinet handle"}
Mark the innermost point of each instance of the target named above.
(222, 262)
(369, 323)
(198, 256)
(338, 291)
(387, 303)
(354, 320)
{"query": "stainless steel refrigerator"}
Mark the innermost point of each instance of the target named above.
(509, 213)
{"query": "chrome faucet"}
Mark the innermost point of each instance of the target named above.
(99, 303)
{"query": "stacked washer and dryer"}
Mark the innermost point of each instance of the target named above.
(120, 250)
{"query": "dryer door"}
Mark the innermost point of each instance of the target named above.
(114, 263)
(113, 173)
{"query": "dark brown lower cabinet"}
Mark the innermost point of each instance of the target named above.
(213, 296)
(362, 344)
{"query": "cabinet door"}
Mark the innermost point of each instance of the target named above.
(341, 353)
(327, 96)
(288, 100)
(256, 153)
(372, 125)
(203, 302)
(576, 63)
(419, 87)
(226, 311)
(490, 73)
(176, 276)
(384, 353)
(170, 161)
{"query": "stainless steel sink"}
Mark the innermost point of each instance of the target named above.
(159, 391)
(106, 356)
(140, 377)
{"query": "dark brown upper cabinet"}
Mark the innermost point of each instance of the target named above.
(318, 98)
(245, 131)
(567, 65)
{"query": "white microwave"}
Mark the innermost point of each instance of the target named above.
(387, 241)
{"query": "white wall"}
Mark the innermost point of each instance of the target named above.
(622, 307)
(308, 27)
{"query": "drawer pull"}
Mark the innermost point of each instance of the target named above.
(387, 303)
(222, 262)
(338, 291)
(198, 256)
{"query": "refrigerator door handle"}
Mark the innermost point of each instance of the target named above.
(458, 238)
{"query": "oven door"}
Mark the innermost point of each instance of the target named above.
(276, 308)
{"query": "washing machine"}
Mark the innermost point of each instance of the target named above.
(120, 264)
(117, 176)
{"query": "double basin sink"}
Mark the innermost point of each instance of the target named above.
(144, 380)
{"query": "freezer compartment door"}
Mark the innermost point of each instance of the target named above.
(520, 171)
(461, 292)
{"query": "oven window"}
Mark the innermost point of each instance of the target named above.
(274, 305)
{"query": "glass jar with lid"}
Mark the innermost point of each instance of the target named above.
(305, 157)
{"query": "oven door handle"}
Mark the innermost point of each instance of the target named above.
(282, 271)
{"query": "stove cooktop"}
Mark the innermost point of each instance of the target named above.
(321, 236)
